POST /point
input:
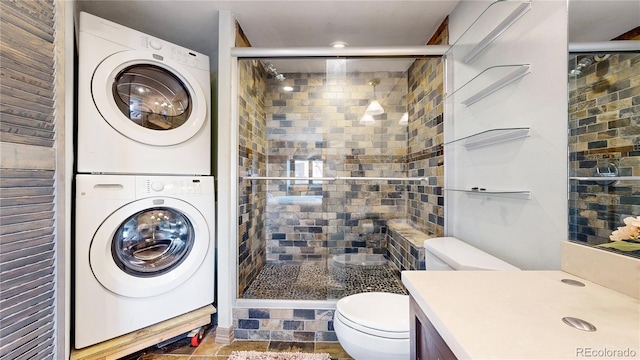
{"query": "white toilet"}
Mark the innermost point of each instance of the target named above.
(375, 325)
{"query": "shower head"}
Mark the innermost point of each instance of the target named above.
(584, 63)
(271, 69)
(575, 72)
(587, 61)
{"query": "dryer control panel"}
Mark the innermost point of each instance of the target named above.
(134, 39)
(177, 53)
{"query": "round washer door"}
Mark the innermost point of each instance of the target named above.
(149, 99)
(149, 247)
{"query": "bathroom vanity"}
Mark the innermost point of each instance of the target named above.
(426, 342)
(518, 315)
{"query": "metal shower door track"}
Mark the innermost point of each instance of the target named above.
(302, 52)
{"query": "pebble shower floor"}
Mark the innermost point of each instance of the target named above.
(316, 281)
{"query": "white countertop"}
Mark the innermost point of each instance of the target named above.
(518, 315)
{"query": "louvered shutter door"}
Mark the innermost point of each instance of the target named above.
(27, 180)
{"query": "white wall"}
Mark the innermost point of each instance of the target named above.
(524, 232)
(65, 160)
(227, 175)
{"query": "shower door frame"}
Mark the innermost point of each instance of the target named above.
(245, 53)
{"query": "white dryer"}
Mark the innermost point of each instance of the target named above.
(144, 252)
(143, 103)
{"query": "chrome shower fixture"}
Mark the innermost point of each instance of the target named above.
(587, 61)
(271, 70)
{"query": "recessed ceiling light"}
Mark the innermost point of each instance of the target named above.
(287, 88)
(339, 44)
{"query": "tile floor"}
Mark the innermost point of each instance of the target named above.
(209, 350)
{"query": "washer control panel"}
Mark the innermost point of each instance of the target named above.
(178, 185)
(157, 185)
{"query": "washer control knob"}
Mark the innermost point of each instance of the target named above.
(155, 44)
(157, 186)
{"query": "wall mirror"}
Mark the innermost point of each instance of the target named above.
(604, 124)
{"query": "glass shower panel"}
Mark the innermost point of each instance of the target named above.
(604, 148)
(322, 173)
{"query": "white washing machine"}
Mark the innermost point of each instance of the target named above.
(144, 249)
(143, 103)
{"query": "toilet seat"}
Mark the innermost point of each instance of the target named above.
(375, 313)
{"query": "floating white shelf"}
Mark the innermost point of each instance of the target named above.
(496, 76)
(605, 178)
(335, 178)
(517, 73)
(491, 24)
(477, 37)
(522, 194)
(287, 178)
(492, 136)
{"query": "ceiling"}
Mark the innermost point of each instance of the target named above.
(193, 24)
(291, 23)
(601, 20)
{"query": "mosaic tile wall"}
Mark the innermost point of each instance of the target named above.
(405, 245)
(425, 151)
(252, 158)
(303, 325)
(317, 125)
(604, 126)
(425, 154)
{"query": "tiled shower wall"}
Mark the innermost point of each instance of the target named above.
(251, 157)
(318, 124)
(604, 125)
(425, 151)
(319, 121)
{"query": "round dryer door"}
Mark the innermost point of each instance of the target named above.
(151, 100)
(149, 247)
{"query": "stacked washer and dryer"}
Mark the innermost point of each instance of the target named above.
(144, 217)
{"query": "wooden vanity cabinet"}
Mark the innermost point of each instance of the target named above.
(426, 343)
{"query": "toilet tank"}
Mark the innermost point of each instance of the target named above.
(449, 253)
